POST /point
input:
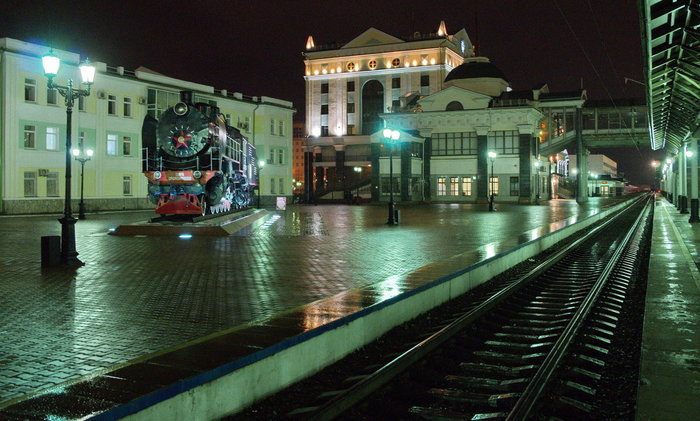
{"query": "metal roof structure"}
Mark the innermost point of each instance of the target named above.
(671, 48)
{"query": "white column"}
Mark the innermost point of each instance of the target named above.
(694, 204)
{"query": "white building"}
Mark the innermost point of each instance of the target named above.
(451, 107)
(33, 131)
(603, 178)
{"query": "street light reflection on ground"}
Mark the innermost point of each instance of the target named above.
(492, 157)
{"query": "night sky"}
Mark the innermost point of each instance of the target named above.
(254, 47)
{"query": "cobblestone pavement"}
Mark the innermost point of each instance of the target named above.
(139, 295)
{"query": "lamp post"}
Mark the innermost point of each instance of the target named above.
(391, 136)
(358, 170)
(261, 164)
(655, 166)
(51, 63)
(492, 157)
(82, 158)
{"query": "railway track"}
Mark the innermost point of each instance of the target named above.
(537, 346)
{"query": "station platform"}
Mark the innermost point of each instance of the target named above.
(148, 317)
(670, 360)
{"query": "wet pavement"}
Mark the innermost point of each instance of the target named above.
(670, 368)
(139, 295)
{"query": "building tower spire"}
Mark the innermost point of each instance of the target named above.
(442, 30)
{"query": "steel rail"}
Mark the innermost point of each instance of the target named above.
(363, 388)
(546, 371)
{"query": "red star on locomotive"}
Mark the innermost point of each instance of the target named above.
(182, 140)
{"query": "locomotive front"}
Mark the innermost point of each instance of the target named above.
(195, 162)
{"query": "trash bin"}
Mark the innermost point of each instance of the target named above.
(50, 250)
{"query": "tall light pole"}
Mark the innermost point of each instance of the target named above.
(51, 63)
(82, 156)
(358, 170)
(391, 137)
(655, 166)
(261, 164)
(492, 157)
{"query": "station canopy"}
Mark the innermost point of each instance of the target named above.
(671, 46)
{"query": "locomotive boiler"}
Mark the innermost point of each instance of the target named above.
(196, 164)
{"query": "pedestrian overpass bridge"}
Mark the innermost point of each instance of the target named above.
(622, 124)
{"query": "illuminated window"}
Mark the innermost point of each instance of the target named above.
(372, 64)
(396, 62)
(29, 136)
(30, 184)
(466, 186)
(30, 90)
(51, 97)
(52, 138)
(127, 107)
(112, 144)
(351, 66)
(442, 186)
(454, 186)
(493, 186)
(52, 184)
(111, 105)
(126, 185)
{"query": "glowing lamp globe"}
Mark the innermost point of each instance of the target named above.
(51, 63)
(87, 72)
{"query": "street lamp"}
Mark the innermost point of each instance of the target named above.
(492, 157)
(261, 164)
(78, 155)
(51, 63)
(358, 170)
(655, 165)
(391, 137)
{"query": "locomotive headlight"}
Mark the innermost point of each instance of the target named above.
(180, 108)
(157, 175)
(197, 174)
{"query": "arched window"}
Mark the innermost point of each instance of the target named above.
(454, 106)
(372, 106)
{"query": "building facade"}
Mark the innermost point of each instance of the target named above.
(464, 135)
(109, 122)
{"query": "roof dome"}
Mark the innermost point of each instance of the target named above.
(473, 69)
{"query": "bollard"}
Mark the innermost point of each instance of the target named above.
(50, 250)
